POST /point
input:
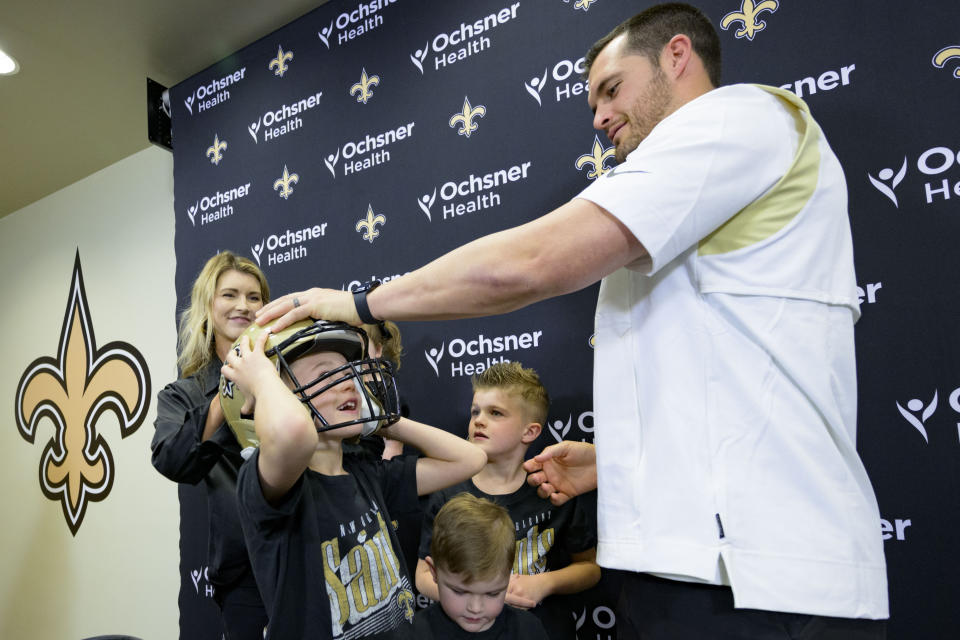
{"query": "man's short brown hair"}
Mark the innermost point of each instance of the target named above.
(513, 378)
(473, 538)
(649, 31)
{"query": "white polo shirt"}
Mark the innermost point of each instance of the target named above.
(726, 441)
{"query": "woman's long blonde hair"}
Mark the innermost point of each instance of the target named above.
(196, 340)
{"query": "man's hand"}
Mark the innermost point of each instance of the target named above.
(321, 304)
(563, 470)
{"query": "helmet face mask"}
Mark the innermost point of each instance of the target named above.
(377, 399)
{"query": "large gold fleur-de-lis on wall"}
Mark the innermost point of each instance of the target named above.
(748, 17)
(279, 64)
(370, 224)
(73, 391)
(597, 157)
(284, 182)
(465, 117)
(362, 89)
(583, 4)
(214, 152)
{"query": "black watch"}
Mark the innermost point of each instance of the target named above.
(360, 301)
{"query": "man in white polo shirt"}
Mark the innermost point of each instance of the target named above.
(731, 498)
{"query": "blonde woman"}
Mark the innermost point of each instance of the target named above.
(193, 444)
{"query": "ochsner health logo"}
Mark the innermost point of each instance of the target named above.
(354, 23)
(283, 119)
(286, 246)
(566, 75)
(463, 355)
(560, 429)
(886, 181)
(214, 93)
(450, 47)
(914, 407)
(932, 164)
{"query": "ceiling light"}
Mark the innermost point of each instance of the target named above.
(8, 66)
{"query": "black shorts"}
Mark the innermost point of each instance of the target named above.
(652, 608)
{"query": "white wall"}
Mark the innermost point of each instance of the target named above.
(119, 573)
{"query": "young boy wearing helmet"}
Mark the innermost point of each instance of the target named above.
(317, 524)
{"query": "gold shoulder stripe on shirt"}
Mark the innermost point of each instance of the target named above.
(773, 210)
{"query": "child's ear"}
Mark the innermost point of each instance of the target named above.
(433, 569)
(531, 433)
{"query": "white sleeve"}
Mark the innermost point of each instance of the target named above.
(697, 168)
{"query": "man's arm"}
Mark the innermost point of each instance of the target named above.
(564, 251)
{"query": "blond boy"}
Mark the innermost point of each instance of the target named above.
(555, 546)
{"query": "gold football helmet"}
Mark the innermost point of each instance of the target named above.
(372, 377)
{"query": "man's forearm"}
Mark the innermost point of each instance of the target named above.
(564, 251)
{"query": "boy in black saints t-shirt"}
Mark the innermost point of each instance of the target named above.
(471, 554)
(317, 523)
(556, 546)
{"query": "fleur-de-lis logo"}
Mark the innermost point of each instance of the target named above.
(73, 390)
(596, 158)
(748, 17)
(214, 152)
(465, 117)
(362, 88)
(405, 600)
(284, 182)
(279, 64)
(947, 53)
(370, 224)
(582, 4)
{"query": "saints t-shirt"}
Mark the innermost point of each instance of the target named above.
(325, 557)
(546, 535)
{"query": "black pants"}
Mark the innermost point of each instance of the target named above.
(652, 608)
(241, 611)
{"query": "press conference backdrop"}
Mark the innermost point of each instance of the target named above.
(364, 139)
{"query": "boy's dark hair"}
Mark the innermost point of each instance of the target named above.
(473, 538)
(512, 377)
(650, 30)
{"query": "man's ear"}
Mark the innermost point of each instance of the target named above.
(531, 432)
(676, 55)
(433, 569)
